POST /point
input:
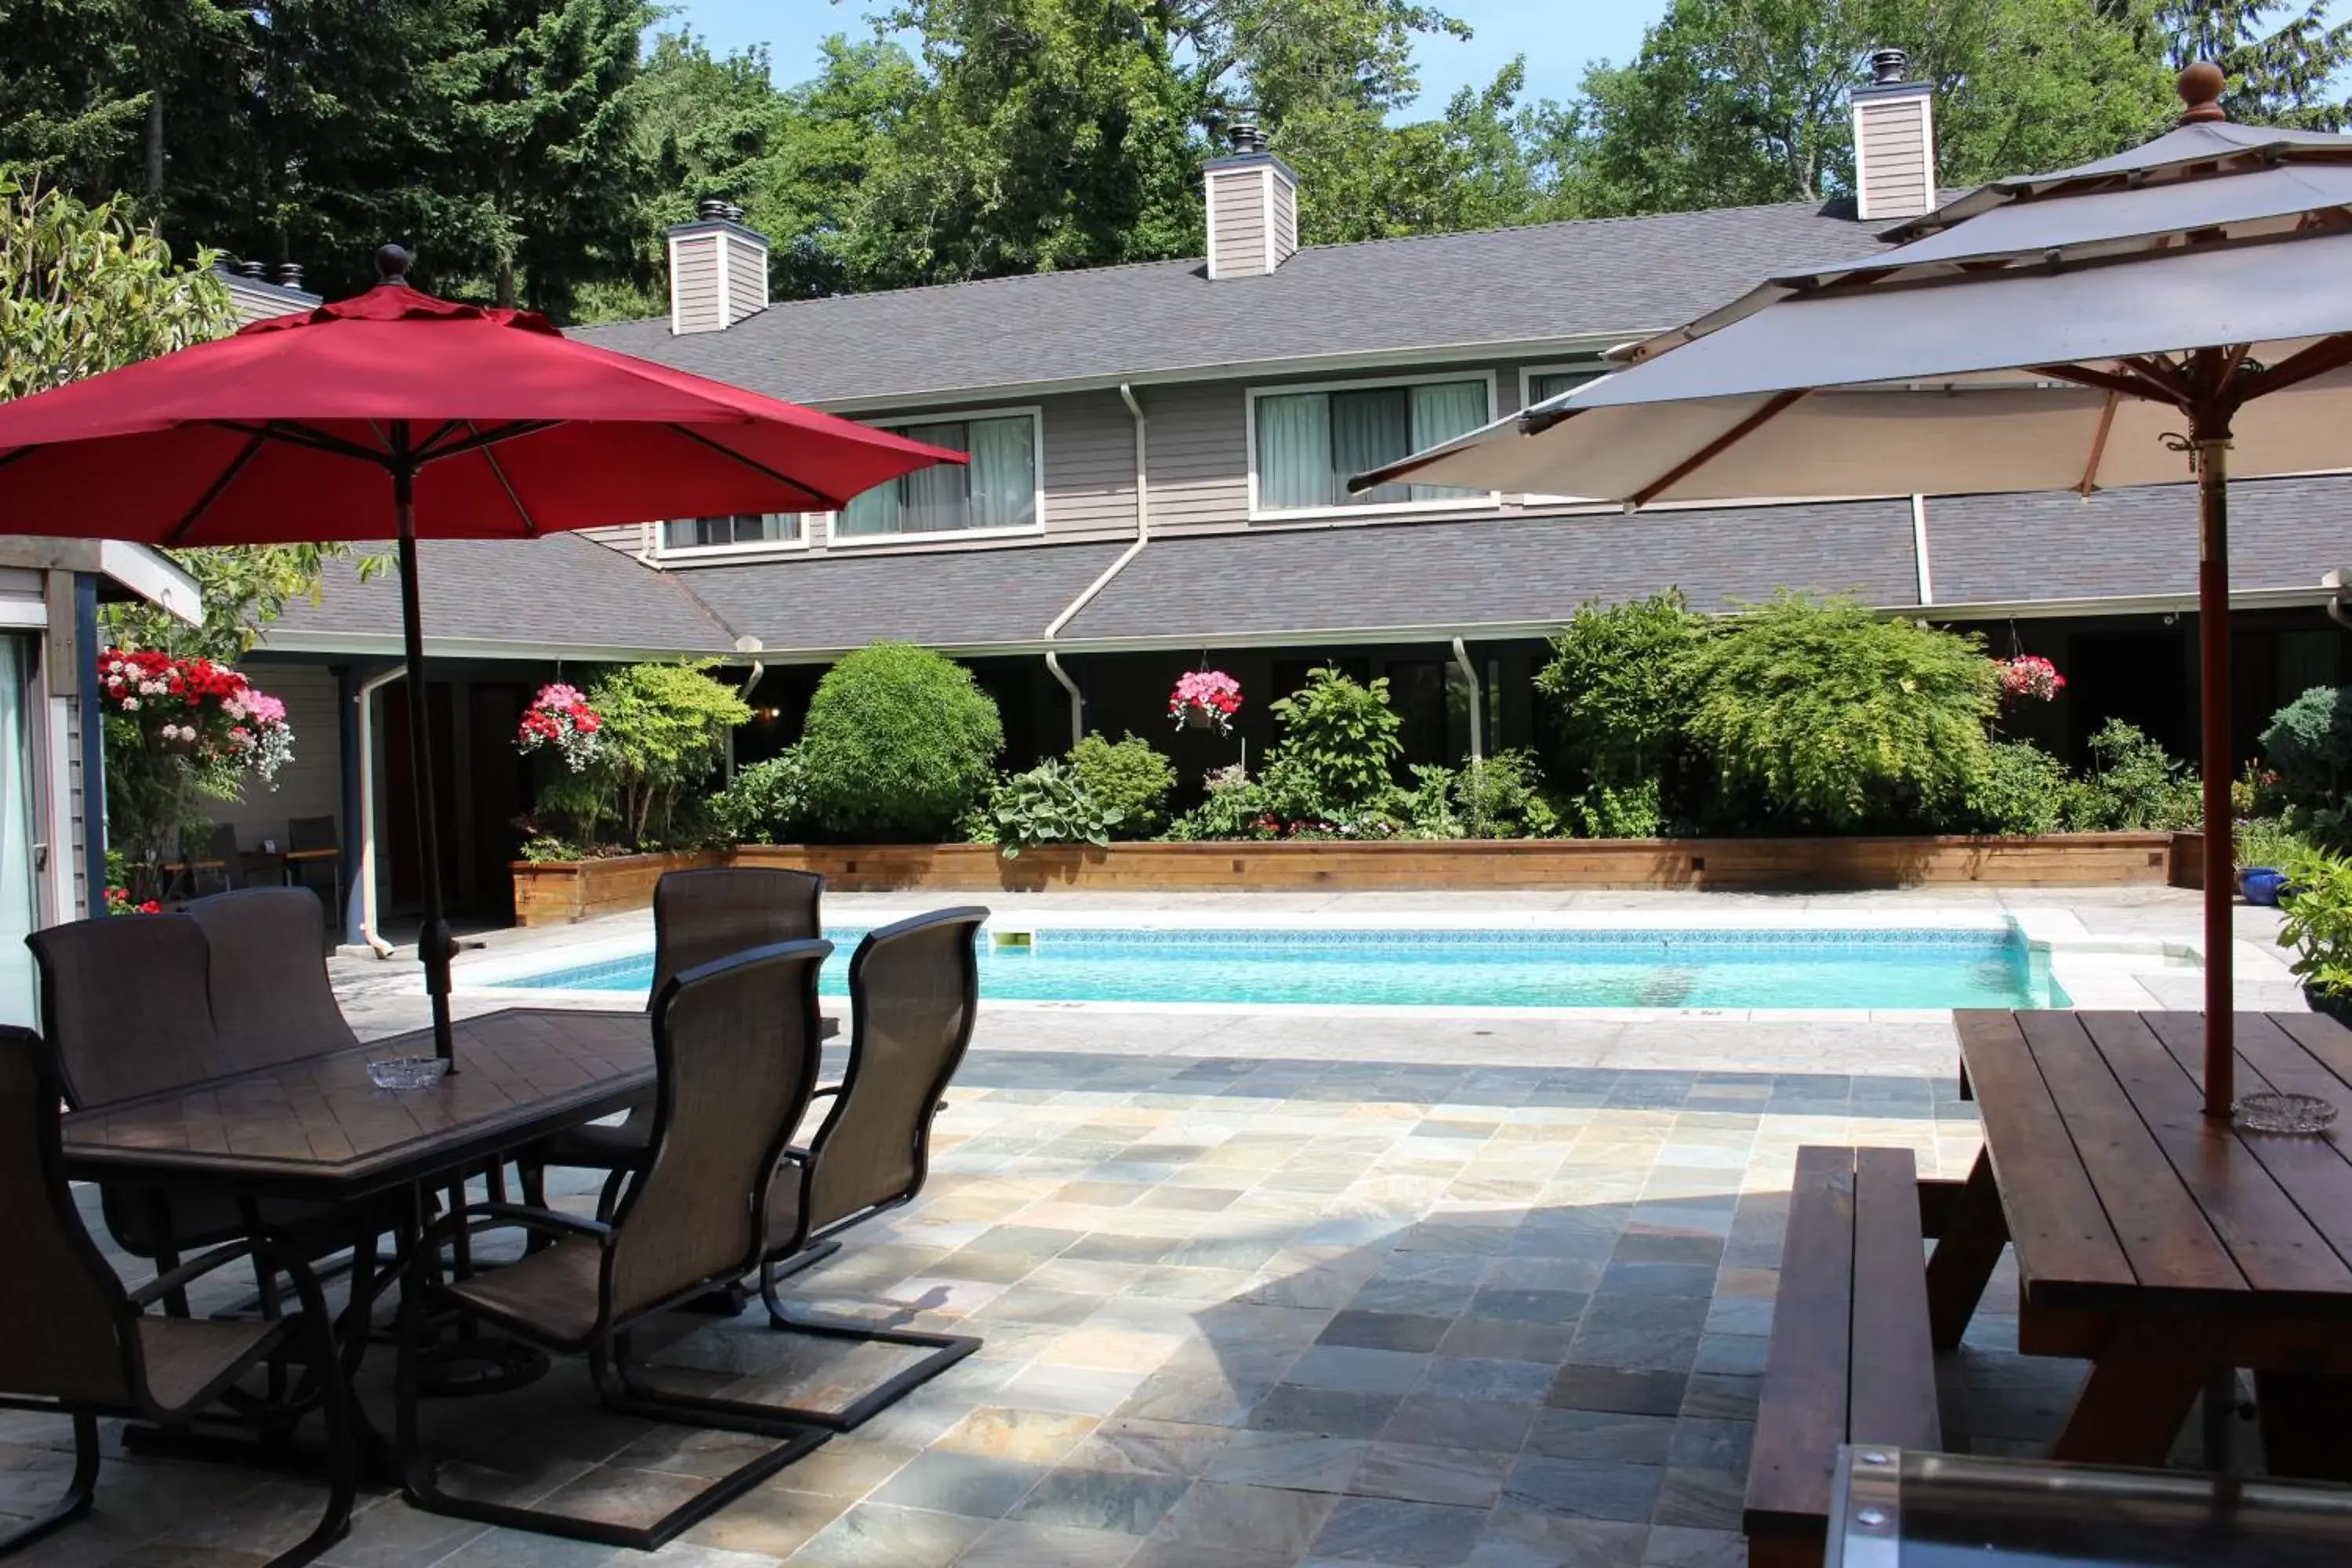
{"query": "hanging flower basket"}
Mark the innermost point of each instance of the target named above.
(2033, 677)
(559, 717)
(1206, 699)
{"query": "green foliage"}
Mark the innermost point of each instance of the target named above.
(1620, 682)
(1131, 781)
(766, 803)
(1050, 804)
(2268, 841)
(2018, 789)
(2317, 900)
(2309, 742)
(2282, 71)
(664, 730)
(1231, 809)
(1504, 797)
(2132, 786)
(1343, 736)
(1836, 717)
(898, 744)
(1635, 811)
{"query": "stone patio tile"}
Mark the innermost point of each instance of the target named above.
(1635, 1391)
(1490, 1424)
(770, 1522)
(1700, 1499)
(1085, 1390)
(1385, 1331)
(1332, 1413)
(1414, 1472)
(1601, 1434)
(1497, 1339)
(1676, 1546)
(1200, 1554)
(1030, 1436)
(960, 1483)
(876, 1535)
(1407, 1534)
(1202, 1400)
(1588, 1489)
(1721, 1397)
(1123, 1445)
(1126, 1503)
(1301, 1461)
(1548, 1540)
(1246, 1517)
(1015, 1545)
(1461, 1377)
(1354, 1371)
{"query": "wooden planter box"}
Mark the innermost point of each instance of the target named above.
(2076, 859)
(562, 892)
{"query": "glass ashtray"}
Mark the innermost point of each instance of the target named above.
(406, 1072)
(2283, 1113)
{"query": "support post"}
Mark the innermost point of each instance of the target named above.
(2210, 436)
(433, 937)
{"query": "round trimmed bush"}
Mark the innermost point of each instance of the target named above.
(899, 744)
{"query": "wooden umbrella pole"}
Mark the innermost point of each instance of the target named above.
(2210, 436)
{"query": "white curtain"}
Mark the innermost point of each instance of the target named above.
(1441, 410)
(1003, 473)
(1369, 428)
(874, 511)
(1294, 451)
(17, 886)
(938, 499)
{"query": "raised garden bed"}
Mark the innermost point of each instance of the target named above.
(562, 892)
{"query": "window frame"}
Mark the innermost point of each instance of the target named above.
(1258, 514)
(753, 550)
(835, 540)
(1528, 373)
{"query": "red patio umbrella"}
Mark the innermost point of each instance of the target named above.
(397, 416)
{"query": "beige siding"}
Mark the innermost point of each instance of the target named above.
(1237, 218)
(1893, 139)
(747, 276)
(312, 784)
(1090, 465)
(1200, 457)
(1286, 218)
(693, 284)
(626, 537)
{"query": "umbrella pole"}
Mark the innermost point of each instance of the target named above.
(2212, 446)
(433, 940)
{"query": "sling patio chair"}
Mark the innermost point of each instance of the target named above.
(698, 916)
(914, 988)
(735, 1058)
(271, 998)
(74, 1342)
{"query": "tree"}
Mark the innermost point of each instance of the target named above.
(2281, 75)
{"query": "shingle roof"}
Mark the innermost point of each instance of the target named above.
(2007, 549)
(1523, 570)
(943, 599)
(1506, 288)
(562, 592)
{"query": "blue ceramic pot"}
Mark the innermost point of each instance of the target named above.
(2261, 884)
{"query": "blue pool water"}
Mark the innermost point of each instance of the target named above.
(1742, 969)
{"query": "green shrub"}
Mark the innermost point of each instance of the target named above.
(2317, 900)
(1618, 680)
(1634, 811)
(1836, 717)
(663, 731)
(1231, 810)
(898, 744)
(1344, 737)
(1128, 778)
(1504, 797)
(2019, 789)
(767, 802)
(2268, 841)
(1427, 809)
(2132, 786)
(1050, 804)
(2309, 742)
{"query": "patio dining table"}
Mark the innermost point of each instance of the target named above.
(2164, 1248)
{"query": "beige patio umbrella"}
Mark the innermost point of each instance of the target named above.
(2182, 309)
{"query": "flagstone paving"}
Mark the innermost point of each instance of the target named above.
(1238, 1313)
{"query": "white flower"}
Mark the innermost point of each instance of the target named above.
(129, 704)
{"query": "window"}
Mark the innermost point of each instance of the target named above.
(996, 490)
(743, 528)
(1540, 384)
(1307, 443)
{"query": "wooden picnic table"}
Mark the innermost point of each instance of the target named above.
(2160, 1245)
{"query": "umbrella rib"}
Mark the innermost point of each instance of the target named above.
(2099, 445)
(2328, 353)
(480, 438)
(303, 435)
(820, 497)
(221, 481)
(499, 472)
(2109, 381)
(1771, 410)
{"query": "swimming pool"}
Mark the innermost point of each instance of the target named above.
(1930, 968)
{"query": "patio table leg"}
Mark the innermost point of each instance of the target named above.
(2306, 1419)
(2143, 1382)
(1965, 1255)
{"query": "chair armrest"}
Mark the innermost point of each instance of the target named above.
(155, 1289)
(550, 1221)
(820, 1092)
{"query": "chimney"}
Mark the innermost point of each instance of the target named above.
(256, 270)
(1253, 199)
(718, 270)
(289, 275)
(1894, 142)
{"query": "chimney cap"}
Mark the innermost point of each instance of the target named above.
(734, 212)
(711, 207)
(257, 271)
(2201, 87)
(1246, 137)
(289, 275)
(1887, 66)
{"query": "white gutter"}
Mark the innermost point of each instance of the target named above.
(1477, 700)
(1919, 549)
(366, 874)
(1087, 596)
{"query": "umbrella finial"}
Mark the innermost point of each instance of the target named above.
(391, 265)
(2202, 86)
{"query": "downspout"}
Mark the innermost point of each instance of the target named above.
(1477, 702)
(1086, 596)
(93, 746)
(363, 878)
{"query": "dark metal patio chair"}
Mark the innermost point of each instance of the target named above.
(735, 1052)
(309, 865)
(698, 916)
(914, 988)
(73, 1342)
(271, 998)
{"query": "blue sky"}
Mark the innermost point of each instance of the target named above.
(1560, 37)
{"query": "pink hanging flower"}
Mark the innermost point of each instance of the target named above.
(1205, 699)
(559, 717)
(2030, 675)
